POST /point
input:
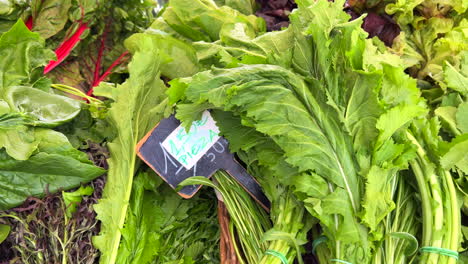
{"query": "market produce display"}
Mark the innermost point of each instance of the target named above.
(351, 115)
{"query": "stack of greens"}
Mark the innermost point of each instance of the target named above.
(362, 149)
(343, 120)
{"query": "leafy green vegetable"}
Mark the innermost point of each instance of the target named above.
(55, 165)
(34, 160)
(10, 11)
(139, 104)
(341, 139)
(249, 220)
(22, 53)
(161, 227)
(432, 42)
(72, 199)
(49, 16)
(4, 232)
(44, 109)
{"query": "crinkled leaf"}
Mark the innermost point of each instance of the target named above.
(49, 16)
(140, 103)
(73, 199)
(22, 51)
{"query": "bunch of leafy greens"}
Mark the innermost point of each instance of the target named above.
(34, 157)
(162, 227)
(248, 219)
(434, 48)
(336, 108)
(139, 103)
(143, 99)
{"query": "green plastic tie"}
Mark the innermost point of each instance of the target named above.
(277, 254)
(440, 251)
(317, 242)
(340, 261)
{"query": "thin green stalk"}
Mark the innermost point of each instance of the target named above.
(288, 217)
(455, 223)
(425, 200)
(72, 90)
(439, 204)
(249, 220)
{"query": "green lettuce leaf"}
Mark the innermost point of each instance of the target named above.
(55, 165)
(44, 109)
(23, 53)
(139, 104)
(73, 199)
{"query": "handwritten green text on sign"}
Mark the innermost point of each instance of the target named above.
(189, 147)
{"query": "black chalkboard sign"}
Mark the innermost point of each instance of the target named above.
(175, 163)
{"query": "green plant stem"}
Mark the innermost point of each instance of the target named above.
(250, 221)
(455, 215)
(289, 219)
(440, 206)
(72, 90)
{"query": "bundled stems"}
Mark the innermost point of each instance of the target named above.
(248, 220)
(441, 215)
(288, 223)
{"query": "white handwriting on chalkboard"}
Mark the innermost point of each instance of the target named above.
(167, 157)
(213, 156)
(221, 150)
(188, 147)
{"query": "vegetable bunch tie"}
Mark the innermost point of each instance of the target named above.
(277, 254)
(340, 261)
(441, 251)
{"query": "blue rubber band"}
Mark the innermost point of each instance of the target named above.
(340, 261)
(277, 254)
(317, 242)
(440, 251)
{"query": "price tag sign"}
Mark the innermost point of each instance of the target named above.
(188, 148)
(176, 155)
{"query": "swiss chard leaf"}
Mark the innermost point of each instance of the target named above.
(22, 53)
(49, 16)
